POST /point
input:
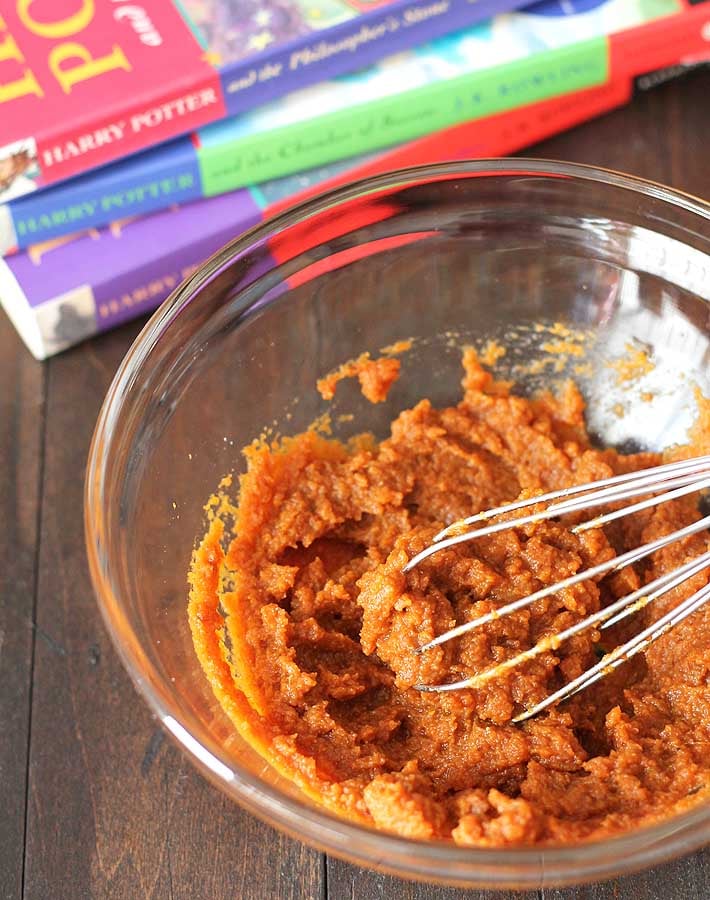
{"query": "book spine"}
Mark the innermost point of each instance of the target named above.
(85, 146)
(497, 135)
(141, 290)
(171, 174)
(650, 80)
(61, 292)
(84, 310)
(131, 291)
(84, 88)
(177, 90)
(209, 171)
(393, 119)
(146, 184)
(663, 42)
(348, 46)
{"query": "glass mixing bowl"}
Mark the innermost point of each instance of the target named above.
(447, 255)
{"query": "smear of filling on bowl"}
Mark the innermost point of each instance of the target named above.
(307, 629)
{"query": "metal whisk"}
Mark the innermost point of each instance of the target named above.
(667, 482)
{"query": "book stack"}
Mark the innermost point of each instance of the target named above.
(137, 139)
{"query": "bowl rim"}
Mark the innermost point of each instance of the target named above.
(527, 867)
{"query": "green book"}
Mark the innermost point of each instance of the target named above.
(514, 59)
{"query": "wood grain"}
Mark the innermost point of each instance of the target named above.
(663, 136)
(115, 810)
(21, 425)
(682, 879)
(346, 882)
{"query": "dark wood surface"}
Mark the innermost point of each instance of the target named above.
(94, 802)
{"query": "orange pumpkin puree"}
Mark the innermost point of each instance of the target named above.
(376, 377)
(306, 628)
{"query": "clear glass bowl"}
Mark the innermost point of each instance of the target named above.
(447, 255)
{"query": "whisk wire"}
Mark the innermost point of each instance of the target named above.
(615, 563)
(665, 483)
(623, 653)
(643, 477)
(621, 487)
(688, 488)
(625, 606)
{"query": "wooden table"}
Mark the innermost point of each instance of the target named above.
(95, 802)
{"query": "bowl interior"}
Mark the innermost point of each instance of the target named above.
(569, 274)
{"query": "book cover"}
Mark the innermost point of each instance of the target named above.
(639, 59)
(512, 60)
(266, 48)
(62, 291)
(85, 82)
(82, 83)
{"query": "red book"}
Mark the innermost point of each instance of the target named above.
(63, 290)
(652, 53)
(83, 82)
(638, 55)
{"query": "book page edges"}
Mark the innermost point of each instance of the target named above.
(15, 303)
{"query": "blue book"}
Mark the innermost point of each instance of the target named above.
(67, 107)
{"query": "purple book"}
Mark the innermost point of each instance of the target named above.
(65, 290)
(264, 49)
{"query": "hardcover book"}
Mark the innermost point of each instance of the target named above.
(512, 60)
(85, 82)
